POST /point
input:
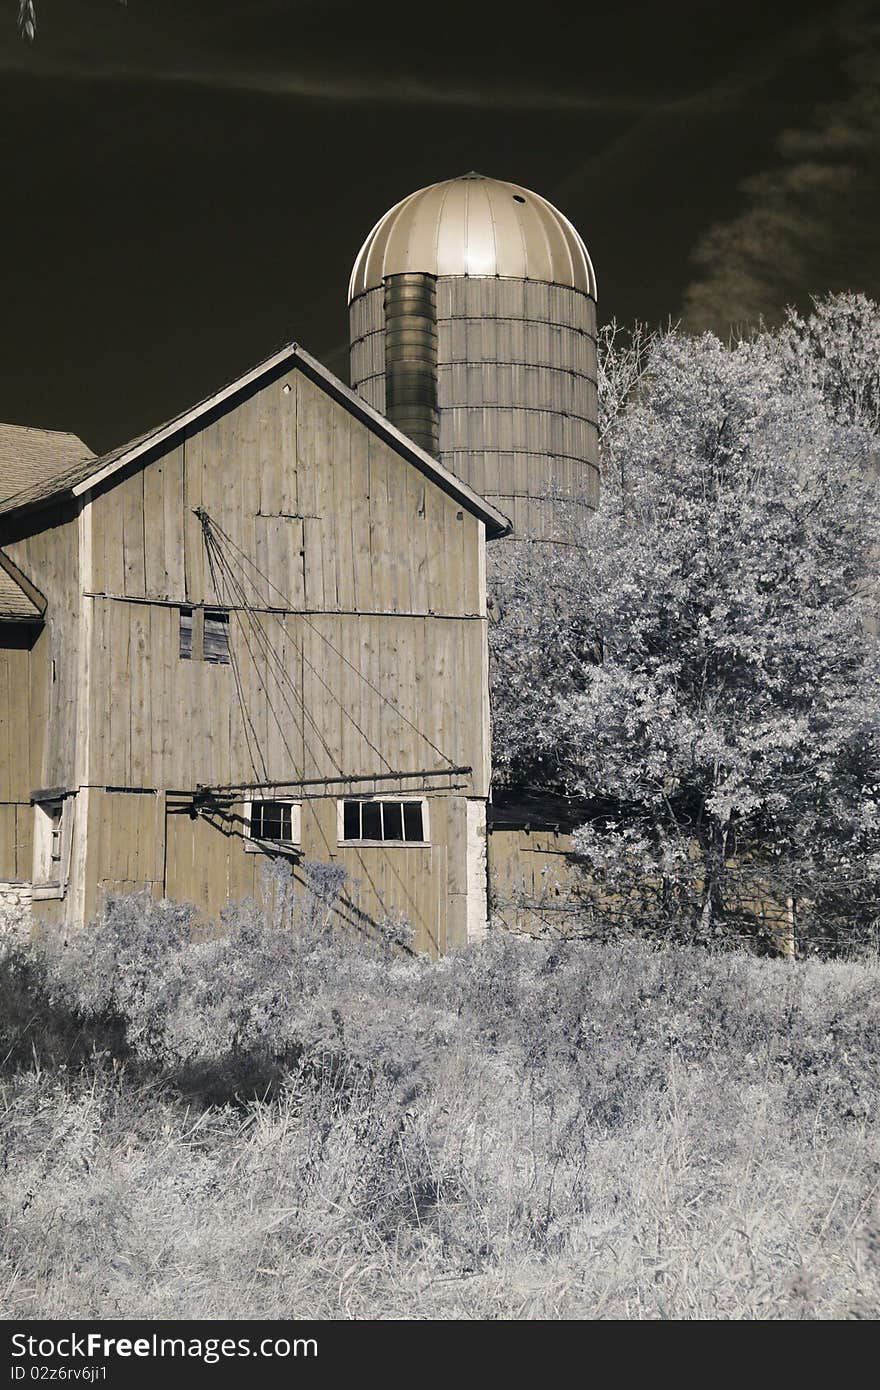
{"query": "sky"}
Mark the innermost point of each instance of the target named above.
(187, 182)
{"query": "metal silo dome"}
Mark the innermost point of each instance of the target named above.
(474, 226)
(472, 308)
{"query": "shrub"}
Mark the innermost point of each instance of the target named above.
(227, 1013)
(521, 1129)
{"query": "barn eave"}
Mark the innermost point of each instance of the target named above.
(89, 473)
(74, 483)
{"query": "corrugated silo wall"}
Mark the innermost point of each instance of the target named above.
(517, 396)
(516, 392)
(367, 361)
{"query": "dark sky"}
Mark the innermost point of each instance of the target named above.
(187, 182)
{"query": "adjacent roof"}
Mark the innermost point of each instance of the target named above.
(32, 461)
(83, 475)
(19, 600)
(474, 225)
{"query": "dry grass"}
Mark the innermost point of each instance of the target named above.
(519, 1132)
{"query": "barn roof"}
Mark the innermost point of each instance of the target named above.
(33, 462)
(85, 474)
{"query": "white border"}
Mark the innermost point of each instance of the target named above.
(275, 846)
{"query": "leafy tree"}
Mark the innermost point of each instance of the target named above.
(623, 358)
(836, 349)
(699, 667)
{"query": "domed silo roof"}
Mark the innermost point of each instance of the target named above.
(475, 226)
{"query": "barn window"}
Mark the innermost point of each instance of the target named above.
(50, 846)
(217, 636)
(186, 634)
(370, 821)
(204, 635)
(273, 824)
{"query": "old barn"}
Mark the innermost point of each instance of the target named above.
(258, 630)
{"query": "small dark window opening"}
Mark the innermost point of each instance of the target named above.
(49, 829)
(55, 813)
(392, 820)
(413, 826)
(217, 637)
(186, 634)
(272, 820)
(400, 822)
(518, 198)
(351, 820)
(371, 820)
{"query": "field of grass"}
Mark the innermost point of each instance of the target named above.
(520, 1131)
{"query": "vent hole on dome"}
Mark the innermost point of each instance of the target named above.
(517, 198)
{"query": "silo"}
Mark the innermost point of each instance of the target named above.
(473, 327)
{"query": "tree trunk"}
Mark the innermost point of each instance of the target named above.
(789, 940)
(706, 909)
(713, 870)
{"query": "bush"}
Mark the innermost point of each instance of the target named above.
(39, 1026)
(521, 1129)
(222, 1013)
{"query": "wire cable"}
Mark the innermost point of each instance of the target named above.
(228, 539)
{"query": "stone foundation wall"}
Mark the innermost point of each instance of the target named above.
(15, 908)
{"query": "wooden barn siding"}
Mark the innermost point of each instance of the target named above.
(531, 880)
(16, 782)
(209, 867)
(370, 665)
(383, 653)
(15, 773)
(205, 866)
(38, 683)
(534, 886)
(126, 845)
(428, 885)
(377, 535)
(49, 556)
(16, 841)
(358, 697)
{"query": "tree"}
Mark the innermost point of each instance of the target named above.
(700, 668)
(623, 355)
(836, 349)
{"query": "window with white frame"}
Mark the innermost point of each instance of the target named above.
(375, 821)
(50, 845)
(275, 824)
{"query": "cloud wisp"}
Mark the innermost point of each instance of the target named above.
(218, 72)
(808, 223)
